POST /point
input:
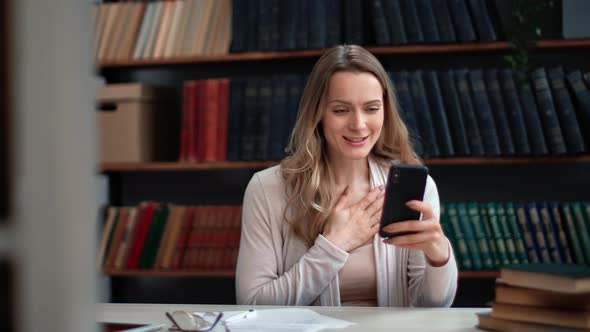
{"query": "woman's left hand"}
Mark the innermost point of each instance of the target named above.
(427, 234)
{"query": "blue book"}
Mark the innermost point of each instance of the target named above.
(482, 20)
(528, 233)
(353, 22)
(424, 120)
(464, 29)
(288, 24)
(531, 116)
(249, 120)
(497, 104)
(411, 22)
(318, 32)
(379, 20)
(444, 21)
(453, 111)
(582, 98)
(471, 126)
(550, 233)
(239, 26)
(264, 109)
(302, 23)
(427, 21)
(406, 108)
(393, 13)
(278, 114)
(514, 113)
(536, 228)
(234, 121)
(333, 23)
(274, 25)
(438, 114)
(566, 112)
(483, 114)
(547, 112)
(560, 229)
(253, 23)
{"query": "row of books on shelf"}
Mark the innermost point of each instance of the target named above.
(490, 235)
(269, 25)
(165, 29)
(540, 297)
(477, 112)
(155, 235)
(140, 30)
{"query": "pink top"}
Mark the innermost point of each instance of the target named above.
(358, 278)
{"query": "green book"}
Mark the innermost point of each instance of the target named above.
(152, 241)
(540, 240)
(583, 231)
(516, 233)
(526, 234)
(499, 237)
(489, 235)
(570, 227)
(552, 242)
(470, 214)
(506, 233)
(464, 257)
(566, 252)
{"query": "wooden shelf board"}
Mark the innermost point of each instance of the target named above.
(186, 166)
(231, 273)
(378, 50)
(169, 273)
(479, 274)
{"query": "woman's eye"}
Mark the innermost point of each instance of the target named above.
(340, 110)
(374, 109)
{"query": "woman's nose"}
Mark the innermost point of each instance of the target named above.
(357, 121)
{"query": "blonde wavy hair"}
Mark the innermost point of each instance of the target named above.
(310, 183)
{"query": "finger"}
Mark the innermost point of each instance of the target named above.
(376, 217)
(411, 226)
(343, 199)
(376, 206)
(422, 207)
(369, 198)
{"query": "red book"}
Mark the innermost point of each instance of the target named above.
(142, 229)
(222, 119)
(187, 122)
(207, 106)
(180, 247)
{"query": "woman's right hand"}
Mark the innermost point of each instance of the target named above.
(350, 225)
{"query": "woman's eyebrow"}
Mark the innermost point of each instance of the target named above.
(349, 103)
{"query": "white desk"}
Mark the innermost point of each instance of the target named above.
(366, 319)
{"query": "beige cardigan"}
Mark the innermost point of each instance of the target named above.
(275, 267)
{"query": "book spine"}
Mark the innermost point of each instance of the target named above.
(411, 21)
(462, 19)
(317, 24)
(235, 118)
(472, 129)
(288, 24)
(536, 228)
(499, 112)
(406, 108)
(480, 236)
(427, 21)
(454, 223)
(482, 20)
(472, 242)
(453, 112)
(582, 97)
(353, 22)
(572, 233)
(557, 220)
(253, 24)
(517, 233)
(379, 21)
(395, 21)
(483, 113)
(444, 22)
(488, 233)
(249, 128)
(499, 236)
(527, 234)
(550, 233)
(278, 115)
(514, 113)
(531, 116)
(334, 21)
(547, 112)
(438, 114)
(583, 229)
(423, 116)
(506, 233)
(566, 112)
(263, 117)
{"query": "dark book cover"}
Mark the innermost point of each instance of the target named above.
(438, 114)
(423, 117)
(380, 24)
(264, 24)
(444, 21)
(302, 22)
(463, 24)
(528, 233)
(514, 113)
(354, 22)
(427, 21)
(581, 94)
(406, 108)
(412, 22)
(223, 115)
(547, 112)
(287, 23)
(295, 85)
(539, 235)
(481, 20)
(453, 111)
(334, 23)
(566, 112)
(561, 236)
(239, 26)
(318, 14)
(531, 116)
(250, 120)
(264, 109)
(500, 116)
(483, 114)
(471, 126)
(236, 101)
(253, 10)
(395, 22)
(553, 245)
(278, 114)
(274, 25)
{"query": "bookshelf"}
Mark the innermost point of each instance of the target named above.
(480, 179)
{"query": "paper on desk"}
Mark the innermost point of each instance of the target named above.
(284, 319)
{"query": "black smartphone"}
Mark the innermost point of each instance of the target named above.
(404, 183)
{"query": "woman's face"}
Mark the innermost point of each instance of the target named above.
(354, 114)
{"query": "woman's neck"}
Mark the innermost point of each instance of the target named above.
(351, 173)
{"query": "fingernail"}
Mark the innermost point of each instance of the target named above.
(381, 187)
(410, 203)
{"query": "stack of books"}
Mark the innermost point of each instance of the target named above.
(540, 297)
